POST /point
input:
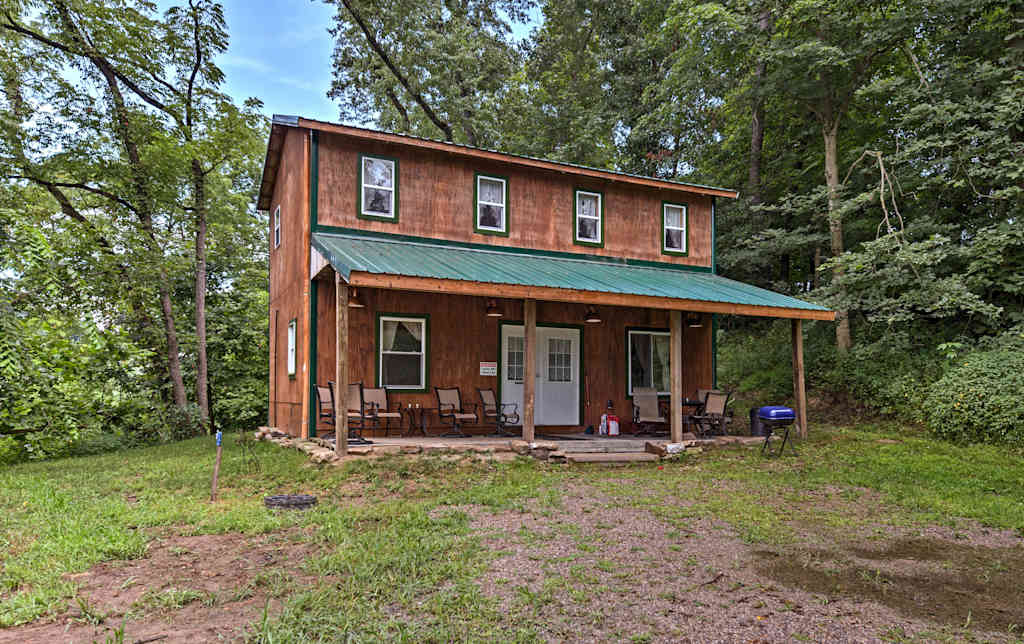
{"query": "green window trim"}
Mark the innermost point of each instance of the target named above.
(360, 212)
(477, 228)
(291, 356)
(576, 215)
(630, 330)
(665, 250)
(378, 354)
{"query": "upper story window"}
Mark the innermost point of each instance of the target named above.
(277, 227)
(491, 205)
(674, 220)
(589, 221)
(378, 188)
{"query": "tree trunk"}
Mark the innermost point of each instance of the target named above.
(757, 118)
(173, 361)
(830, 132)
(202, 370)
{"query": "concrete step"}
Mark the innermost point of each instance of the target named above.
(604, 446)
(610, 457)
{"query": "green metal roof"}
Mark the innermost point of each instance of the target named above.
(416, 257)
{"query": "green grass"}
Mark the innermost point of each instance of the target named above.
(402, 563)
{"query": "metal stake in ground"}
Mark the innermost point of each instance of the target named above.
(216, 469)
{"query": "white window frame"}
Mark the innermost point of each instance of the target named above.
(363, 186)
(292, 332)
(481, 202)
(277, 227)
(422, 320)
(629, 355)
(685, 211)
(576, 220)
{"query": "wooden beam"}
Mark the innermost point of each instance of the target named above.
(340, 366)
(488, 289)
(799, 390)
(676, 382)
(529, 366)
(511, 159)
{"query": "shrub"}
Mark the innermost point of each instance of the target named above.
(981, 397)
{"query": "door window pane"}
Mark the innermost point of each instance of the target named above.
(559, 360)
(514, 359)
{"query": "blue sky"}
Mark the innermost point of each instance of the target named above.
(280, 52)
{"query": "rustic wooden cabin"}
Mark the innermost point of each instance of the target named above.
(561, 288)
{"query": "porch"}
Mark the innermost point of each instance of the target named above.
(410, 317)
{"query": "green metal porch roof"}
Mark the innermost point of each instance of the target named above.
(416, 257)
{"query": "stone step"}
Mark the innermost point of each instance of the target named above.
(611, 457)
(605, 446)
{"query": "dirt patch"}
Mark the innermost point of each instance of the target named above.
(186, 589)
(934, 579)
(596, 569)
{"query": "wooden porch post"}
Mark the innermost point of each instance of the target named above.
(529, 366)
(676, 380)
(799, 390)
(340, 366)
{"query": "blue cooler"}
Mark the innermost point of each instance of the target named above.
(772, 418)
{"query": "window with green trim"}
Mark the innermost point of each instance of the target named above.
(402, 352)
(292, 327)
(588, 227)
(491, 204)
(649, 354)
(674, 219)
(377, 179)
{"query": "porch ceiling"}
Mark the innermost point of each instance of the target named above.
(437, 266)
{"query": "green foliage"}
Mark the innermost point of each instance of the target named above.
(979, 397)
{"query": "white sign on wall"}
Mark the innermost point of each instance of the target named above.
(488, 368)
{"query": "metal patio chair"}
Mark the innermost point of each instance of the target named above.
(451, 411)
(501, 414)
(357, 414)
(375, 399)
(646, 412)
(712, 419)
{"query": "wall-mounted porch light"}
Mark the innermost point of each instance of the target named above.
(694, 320)
(353, 299)
(492, 309)
(591, 316)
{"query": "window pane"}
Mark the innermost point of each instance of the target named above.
(661, 376)
(586, 205)
(399, 335)
(492, 191)
(586, 229)
(640, 359)
(515, 358)
(492, 216)
(559, 360)
(674, 239)
(376, 200)
(378, 172)
(673, 216)
(400, 370)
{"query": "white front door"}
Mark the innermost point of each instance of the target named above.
(557, 379)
